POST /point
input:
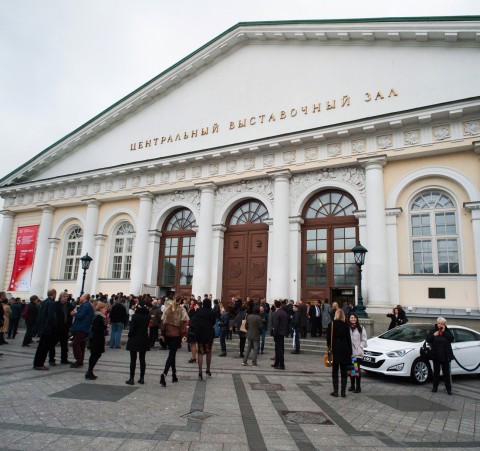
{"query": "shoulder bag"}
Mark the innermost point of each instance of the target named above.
(328, 357)
(426, 351)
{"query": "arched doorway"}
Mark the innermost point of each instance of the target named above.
(246, 252)
(329, 232)
(177, 253)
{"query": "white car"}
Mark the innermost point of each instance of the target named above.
(397, 352)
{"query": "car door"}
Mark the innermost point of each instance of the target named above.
(466, 349)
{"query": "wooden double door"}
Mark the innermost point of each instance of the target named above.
(245, 262)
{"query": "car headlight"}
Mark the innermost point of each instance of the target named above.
(399, 352)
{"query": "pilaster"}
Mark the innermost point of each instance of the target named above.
(5, 240)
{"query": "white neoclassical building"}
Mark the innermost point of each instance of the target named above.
(254, 165)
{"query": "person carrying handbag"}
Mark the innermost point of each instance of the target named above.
(358, 337)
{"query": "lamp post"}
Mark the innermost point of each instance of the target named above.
(359, 254)
(86, 260)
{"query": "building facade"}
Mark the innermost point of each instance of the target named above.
(255, 164)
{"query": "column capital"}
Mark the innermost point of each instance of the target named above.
(219, 228)
(91, 201)
(280, 174)
(7, 213)
(360, 214)
(476, 147)
(100, 238)
(46, 208)
(378, 160)
(154, 233)
(296, 220)
(471, 205)
(269, 222)
(393, 211)
(54, 241)
(144, 195)
(206, 186)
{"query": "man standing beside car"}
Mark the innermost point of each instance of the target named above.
(440, 339)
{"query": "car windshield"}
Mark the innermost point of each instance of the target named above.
(412, 333)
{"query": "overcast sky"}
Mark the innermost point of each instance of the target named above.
(64, 61)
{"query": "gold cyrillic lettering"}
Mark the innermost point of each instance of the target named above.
(392, 93)
(215, 128)
(140, 144)
(331, 106)
(293, 112)
(178, 137)
(148, 143)
(368, 97)
(272, 118)
(379, 96)
(194, 133)
(155, 140)
(204, 131)
(170, 139)
(316, 108)
(133, 146)
(304, 109)
(163, 139)
(283, 115)
(345, 101)
(253, 120)
(262, 117)
(242, 123)
(232, 125)
(185, 135)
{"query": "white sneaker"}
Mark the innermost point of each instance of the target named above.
(244, 363)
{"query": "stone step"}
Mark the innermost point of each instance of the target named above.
(310, 346)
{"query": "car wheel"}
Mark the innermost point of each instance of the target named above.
(420, 372)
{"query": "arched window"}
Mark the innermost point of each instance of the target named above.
(434, 235)
(329, 233)
(251, 212)
(122, 251)
(73, 252)
(178, 251)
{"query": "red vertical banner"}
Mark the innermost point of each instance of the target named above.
(24, 254)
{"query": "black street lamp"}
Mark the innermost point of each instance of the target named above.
(359, 254)
(86, 260)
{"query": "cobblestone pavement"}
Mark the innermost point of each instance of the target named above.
(238, 408)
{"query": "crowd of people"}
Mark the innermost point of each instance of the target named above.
(195, 322)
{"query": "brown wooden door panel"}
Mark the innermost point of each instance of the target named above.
(245, 262)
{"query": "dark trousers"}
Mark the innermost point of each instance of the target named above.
(243, 340)
(446, 374)
(28, 337)
(78, 346)
(174, 343)
(296, 334)
(42, 350)
(343, 375)
(61, 337)
(153, 335)
(133, 363)
(92, 361)
(279, 350)
(13, 327)
(355, 381)
(223, 343)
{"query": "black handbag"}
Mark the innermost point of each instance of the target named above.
(426, 351)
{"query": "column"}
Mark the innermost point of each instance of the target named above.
(218, 242)
(153, 256)
(40, 263)
(88, 243)
(140, 247)
(474, 208)
(392, 254)
(376, 260)
(53, 244)
(5, 241)
(95, 267)
(296, 256)
(280, 268)
(202, 272)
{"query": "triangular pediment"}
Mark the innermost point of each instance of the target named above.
(266, 81)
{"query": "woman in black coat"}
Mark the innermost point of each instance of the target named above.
(341, 347)
(96, 338)
(138, 341)
(204, 323)
(440, 339)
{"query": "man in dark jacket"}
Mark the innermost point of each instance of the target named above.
(47, 322)
(63, 311)
(296, 329)
(31, 319)
(279, 327)
(315, 317)
(80, 329)
(118, 320)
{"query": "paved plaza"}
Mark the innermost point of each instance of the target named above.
(238, 408)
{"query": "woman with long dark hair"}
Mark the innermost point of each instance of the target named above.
(358, 336)
(203, 323)
(97, 338)
(340, 343)
(138, 341)
(174, 330)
